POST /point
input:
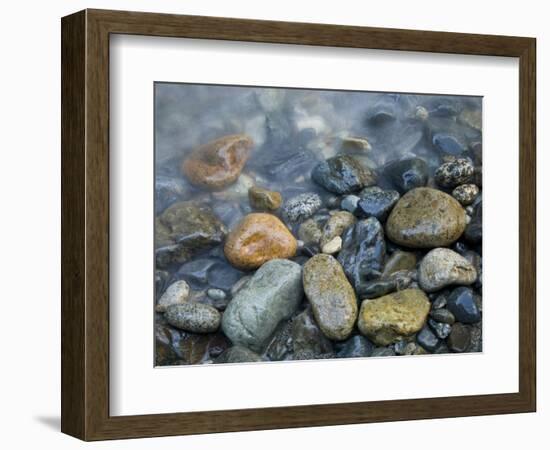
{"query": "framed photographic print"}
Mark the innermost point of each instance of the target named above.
(270, 225)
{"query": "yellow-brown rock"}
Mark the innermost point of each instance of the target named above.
(257, 238)
(217, 163)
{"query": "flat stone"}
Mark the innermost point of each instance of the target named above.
(331, 296)
(426, 218)
(259, 237)
(218, 163)
(272, 295)
(391, 318)
(441, 330)
(193, 317)
(462, 304)
(343, 174)
(383, 351)
(308, 341)
(264, 199)
(443, 267)
(349, 203)
(177, 292)
(363, 252)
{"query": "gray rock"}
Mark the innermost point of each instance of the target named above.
(376, 202)
(363, 252)
(356, 347)
(378, 288)
(443, 315)
(308, 341)
(216, 294)
(177, 292)
(343, 174)
(473, 232)
(439, 302)
(237, 354)
(407, 174)
(441, 330)
(399, 260)
(301, 207)
(443, 267)
(466, 193)
(460, 338)
(383, 351)
(349, 203)
(405, 348)
(427, 339)
(462, 303)
(193, 317)
(331, 296)
(310, 232)
(336, 224)
(270, 296)
(453, 173)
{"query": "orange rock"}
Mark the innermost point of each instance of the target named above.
(257, 238)
(217, 163)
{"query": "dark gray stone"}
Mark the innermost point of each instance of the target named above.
(376, 202)
(463, 305)
(355, 347)
(407, 174)
(378, 288)
(441, 330)
(460, 338)
(442, 315)
(473, 232)
(427, 339)
(237, 354)
(343, 174)
(301, 207)
(383, 351)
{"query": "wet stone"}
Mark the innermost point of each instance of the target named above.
(349, 203)
(363, 252)
(407, 174)
(399, 260)
(427, 339)
(355, 347)
(343, 174)
(442, 315)
(336, 224)
(383, 351)
(193, 317)
(376, 202)
(195, 272)
(168, 190)
(473, 232)
(462, 303)
(439, 301)
(237, 354)
(442, 267)
(307, 337)
(310, 232)
(465, 193)
(333, 246)
(301, 207)
(448, 144)
(460, 338)
(441, 330)
(454, 173)
(378, 288)
(177, 292)
(216, 294)
(405, 348)
(264, 199)
(223, 276)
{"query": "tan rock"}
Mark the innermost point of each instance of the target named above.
(257, 238)
(391, 318)
(176, 293)
(337, 223)
(264, 199)
(443, 267)
(426, 218)
(218, 163)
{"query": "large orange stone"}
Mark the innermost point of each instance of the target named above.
(217, 163)
(257, 238)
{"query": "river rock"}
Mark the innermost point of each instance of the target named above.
(462, 304)
(259, 237)
(376, 202)
(310, 232)
(454, 173)
(466, 193)
(407, 174)
(473, 232)
(333, 246)
(193, 317)
(391, 318)
(399, 260)
(183, 229)
(264, 199)
(272, 295)
(168, 190)
(331, 296)
(237, 354)
(378, 288)
(460, 338)
(218, 163)
(336, 224)
(448, 144)
(363, 252)
(427, 339)
(343, 174)
(442, 315)
(443, 267)
(426, 218)
(308, 341)
(349, 203)
(177, 292)
(356, 347)
(383, 351)
(441, 330)
(301, 207)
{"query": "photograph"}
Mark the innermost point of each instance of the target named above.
(298, 224)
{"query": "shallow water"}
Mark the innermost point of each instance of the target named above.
(293, 130)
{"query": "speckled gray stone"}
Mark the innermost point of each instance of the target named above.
(301, 207)
(193, 317)
(272, 295)
(453, 173)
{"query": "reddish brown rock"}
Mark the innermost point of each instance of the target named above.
(258, 238)
(217, 163)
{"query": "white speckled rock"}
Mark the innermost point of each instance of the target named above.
(176, 293)
(443, 267)
(333, 246)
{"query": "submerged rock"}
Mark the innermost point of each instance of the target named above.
(443, 267)
(310, 232)
(332, 298)
(425, 218)
(168, 190)
(193, 317)
(258, 238)
(391, 318)
(218, 163)
(376, 202)
(407, 174)
(237, 354)
(333, 246)
(177, 292)
(343, 174)
(335, 226)
(270, 296)
(363, 251)
(183, 229)
(301, 207)
(399, 260)
(453, 173)
(466, 193)
(264, 199)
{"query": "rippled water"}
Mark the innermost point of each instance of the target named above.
(292, 130)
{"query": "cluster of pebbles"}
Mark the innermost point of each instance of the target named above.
(313, 244)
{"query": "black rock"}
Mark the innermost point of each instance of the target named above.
(223, 276)
(441, 330)
(407, 174)
(462, 304)
(473, 232)
(168, 190)
(442, 315)
(237, 354)
(448, 144)
(343, 174)
(355, 347)
(308, 339)
(362, 254)
(460, 338)
(427, 339)
(383, 351)
(378, 288)
(376, 202)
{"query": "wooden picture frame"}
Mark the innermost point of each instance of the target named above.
(85, 224)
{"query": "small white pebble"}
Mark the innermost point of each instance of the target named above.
(332, 246)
